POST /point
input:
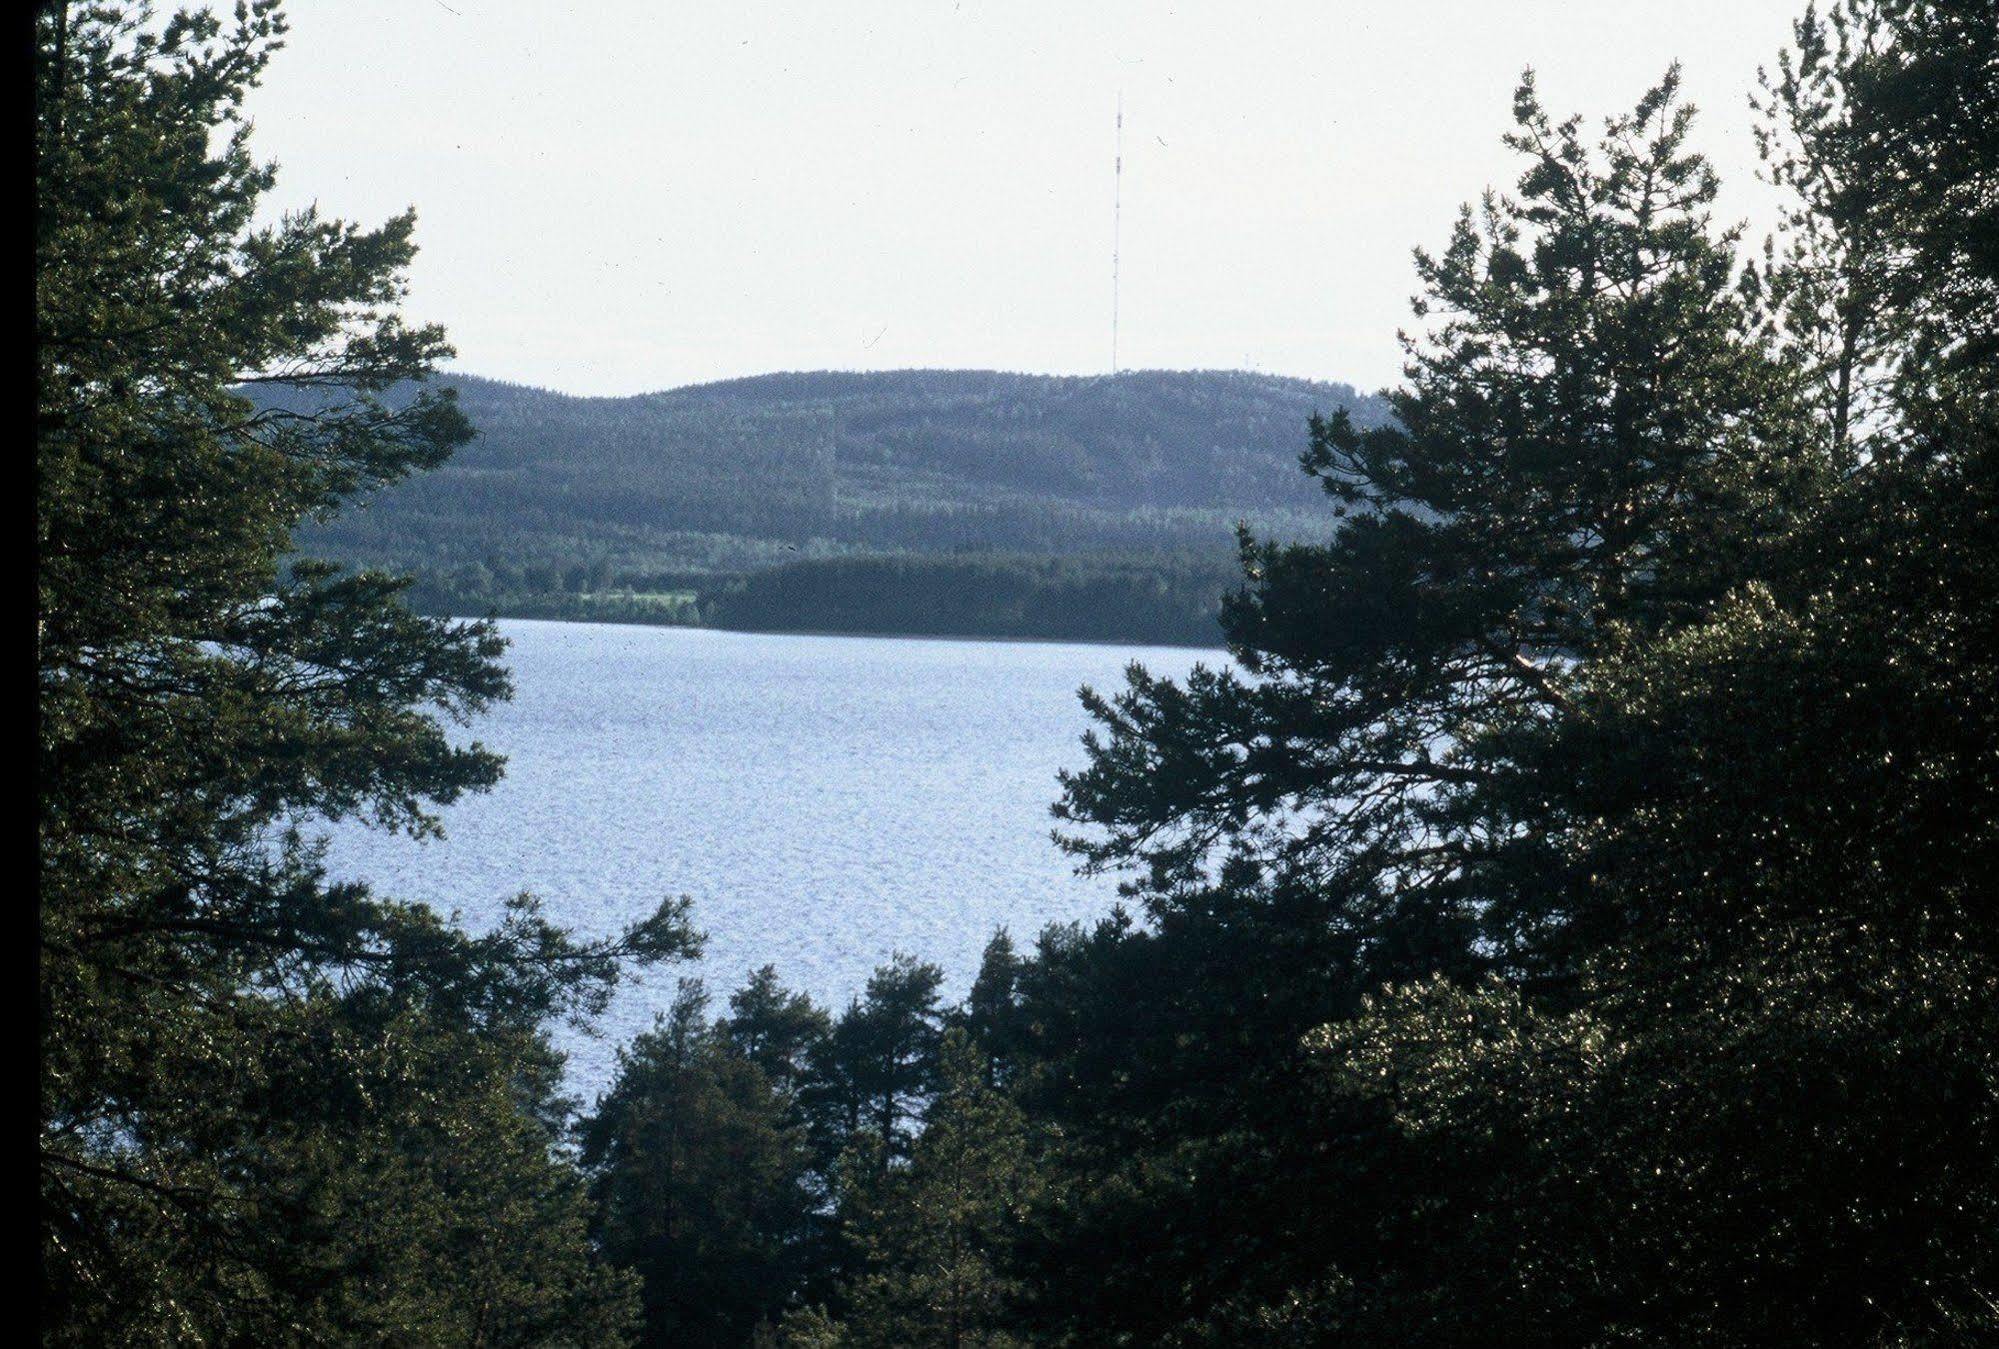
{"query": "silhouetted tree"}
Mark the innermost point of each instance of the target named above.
(698, 1169)
(272, 1109)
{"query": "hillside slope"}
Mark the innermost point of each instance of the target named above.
(686, 491)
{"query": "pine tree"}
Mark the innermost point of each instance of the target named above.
(871, 1075)
(931, 1237)
(698, 1166)
(272, 1108)
(774, 1028)
(1591, 447)
(1590, 443)
(991, 1014)
(1637, 730)
(1877, 126)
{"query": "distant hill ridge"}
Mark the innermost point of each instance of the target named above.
(695, 486)
(833, 462)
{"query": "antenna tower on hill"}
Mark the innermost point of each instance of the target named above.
(1117, 222)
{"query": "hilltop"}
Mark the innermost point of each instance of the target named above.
(661, 505)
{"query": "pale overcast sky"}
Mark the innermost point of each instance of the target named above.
(620, 196)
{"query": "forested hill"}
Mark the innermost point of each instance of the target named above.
(630, 506)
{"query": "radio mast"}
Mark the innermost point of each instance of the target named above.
(1117, 222)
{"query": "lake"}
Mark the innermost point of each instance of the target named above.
(825, 801)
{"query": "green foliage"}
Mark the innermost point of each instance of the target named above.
(1590, 439)
(699, 1169)
(1569, 921)
(874, 1070)
(1636, 735)
(1878, 125)
(714, 476)
(670, 609)
(931, 1236)
(733, 1164)
(272, 1109)
(1091, 598)
(601, 508)
(774, 1028)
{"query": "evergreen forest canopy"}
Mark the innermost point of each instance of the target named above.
(1568, 921)
(741, 503)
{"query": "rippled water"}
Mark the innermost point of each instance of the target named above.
(824, 800)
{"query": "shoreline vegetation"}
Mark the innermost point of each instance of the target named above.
(506, 614)
(1129, 601)
(969, 502)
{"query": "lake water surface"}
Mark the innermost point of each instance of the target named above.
(825, 801)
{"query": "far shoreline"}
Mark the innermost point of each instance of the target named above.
(1216, 646)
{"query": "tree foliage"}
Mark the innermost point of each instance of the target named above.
(273, 1108)
(1568, 920)
(1172, 599)
(1636, 733)
(560, 494)
(932, 1237)
(699, 1167)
